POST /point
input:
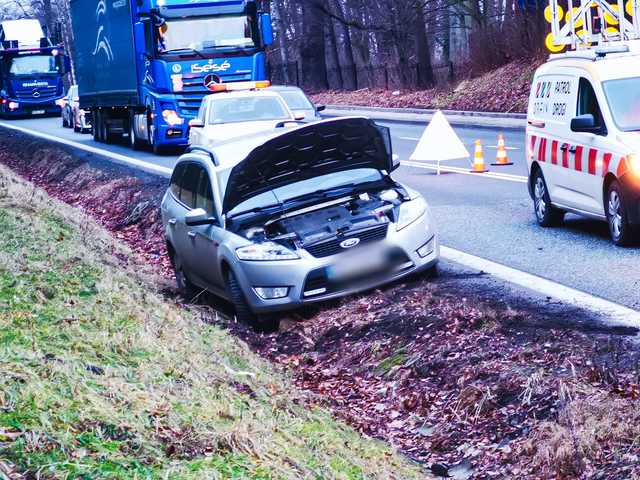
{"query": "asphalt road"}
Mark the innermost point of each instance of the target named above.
(490, 217)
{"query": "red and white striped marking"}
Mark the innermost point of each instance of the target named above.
(591, 161)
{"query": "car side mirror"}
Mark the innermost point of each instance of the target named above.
(321, 108)
(299, 115)
(198, 217)
(196, 123)
(584, 123)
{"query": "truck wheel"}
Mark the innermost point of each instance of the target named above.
(157, 149)
(546, 214)
(621, 231)
(134, 143)
(242, 309)
(107, 137)
(96, 126)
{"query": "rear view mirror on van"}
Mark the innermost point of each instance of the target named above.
(584, 123)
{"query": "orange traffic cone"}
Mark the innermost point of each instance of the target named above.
(478, 160)
(501, 157)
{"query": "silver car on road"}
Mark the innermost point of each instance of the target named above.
(294, 216)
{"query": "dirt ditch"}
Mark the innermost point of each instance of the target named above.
(474, 385)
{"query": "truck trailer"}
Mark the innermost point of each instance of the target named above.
(31, 70)
(143, 66)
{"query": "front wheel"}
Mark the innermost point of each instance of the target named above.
(242, 309)
(546, 214)
(621, 232)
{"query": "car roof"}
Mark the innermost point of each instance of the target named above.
(601, 68)
(243, 94)
(285, 88)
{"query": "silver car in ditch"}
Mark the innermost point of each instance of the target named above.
(294, 216)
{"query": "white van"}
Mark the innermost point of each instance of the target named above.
(583, 138)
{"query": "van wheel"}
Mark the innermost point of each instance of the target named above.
(244, 314)
(621, 232)
(187, 289)
(546, 214)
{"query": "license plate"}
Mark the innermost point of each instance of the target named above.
(37, 112)
(357, 265)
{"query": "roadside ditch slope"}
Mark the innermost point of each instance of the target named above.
(472, 385)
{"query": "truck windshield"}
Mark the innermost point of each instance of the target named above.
(624, 102)
(235, 31)
(33, 64)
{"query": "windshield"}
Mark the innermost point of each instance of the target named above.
(298, 189)
(33, 64)
(202, 33)
(296, 100)
(247, 109)
(624, 102)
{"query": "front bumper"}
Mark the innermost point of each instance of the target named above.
(308, 279)
(28, 108)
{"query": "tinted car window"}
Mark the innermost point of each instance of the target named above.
(176, 179)
(204, 196)
(189, 184)
(588, 102)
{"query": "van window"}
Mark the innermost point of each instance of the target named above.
(623, 96)
(588, 103)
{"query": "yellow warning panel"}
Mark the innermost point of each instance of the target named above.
(609, 18)
(548, 16)
(552, 47)
(577, 22)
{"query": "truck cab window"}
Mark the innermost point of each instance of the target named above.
(588, 103)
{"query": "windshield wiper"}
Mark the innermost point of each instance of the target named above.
(185, 49)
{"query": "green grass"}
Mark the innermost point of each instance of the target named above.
(100, 377)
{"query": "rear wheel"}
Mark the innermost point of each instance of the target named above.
(621, 232)
(546, 214)
(242, 309)
(97, 128)
(187, 289)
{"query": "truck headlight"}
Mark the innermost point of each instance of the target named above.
(266, 251)
(14, 105)
(172, 117)
(410, 212)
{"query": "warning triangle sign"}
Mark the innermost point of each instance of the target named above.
(439, 142)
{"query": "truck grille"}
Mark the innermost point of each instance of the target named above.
(332, 247)
(193, 90)
(38, 94)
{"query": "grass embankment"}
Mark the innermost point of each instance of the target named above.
(100, 377)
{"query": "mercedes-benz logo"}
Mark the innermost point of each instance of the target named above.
(35, 94)
(211, 79)
(350, 242)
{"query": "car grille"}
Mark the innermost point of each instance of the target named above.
(332, 247)
(318, 283)
(44, 93)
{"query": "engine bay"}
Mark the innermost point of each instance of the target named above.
(315, 224)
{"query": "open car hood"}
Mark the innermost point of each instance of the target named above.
(306, 152)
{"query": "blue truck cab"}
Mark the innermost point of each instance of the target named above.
(31, 70)
(143, 66)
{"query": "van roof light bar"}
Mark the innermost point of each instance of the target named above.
(592, 22)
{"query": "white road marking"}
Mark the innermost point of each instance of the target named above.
(465, 171)
(148, 166)
(618, 314)
(414, 139)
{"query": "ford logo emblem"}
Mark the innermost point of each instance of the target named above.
(350, 242)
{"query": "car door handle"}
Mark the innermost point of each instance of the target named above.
(172, 222)
(192, 234)
(566, 147)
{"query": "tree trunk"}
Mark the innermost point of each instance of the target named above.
(312, 51)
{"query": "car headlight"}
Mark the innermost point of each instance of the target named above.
(410, 212)
(265, 252)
